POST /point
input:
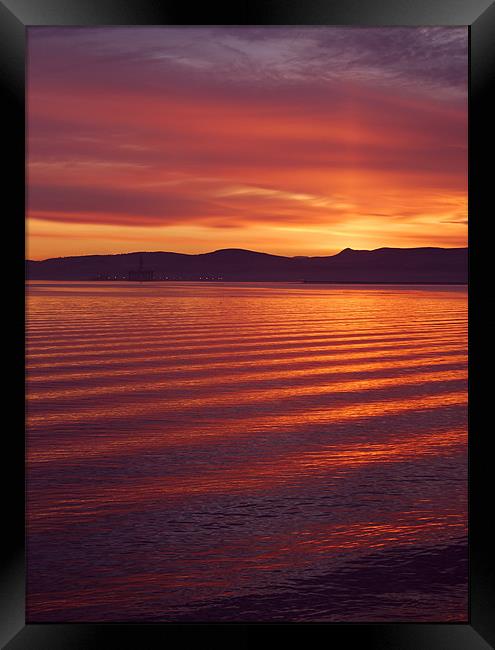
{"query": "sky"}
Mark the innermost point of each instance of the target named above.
(286, 140)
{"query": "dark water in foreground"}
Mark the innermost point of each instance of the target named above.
(246, 452)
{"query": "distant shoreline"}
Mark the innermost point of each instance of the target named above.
(350, 282)
(386, 266)
(380, 282)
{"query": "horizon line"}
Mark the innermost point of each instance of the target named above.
(248, 250)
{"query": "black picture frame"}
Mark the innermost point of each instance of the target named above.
(479, 15)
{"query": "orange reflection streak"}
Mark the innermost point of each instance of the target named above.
(169, 343)
(245, 359)
(146, 405)
(106, 328)
(232, 380)
(259, 475)
(233, 351)
(101, 340)
(290, 420)
(296, 367)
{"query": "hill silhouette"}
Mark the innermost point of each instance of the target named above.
(396, 265)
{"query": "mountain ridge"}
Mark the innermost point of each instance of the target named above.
(421, 264)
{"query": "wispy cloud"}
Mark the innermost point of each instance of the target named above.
(241, 130)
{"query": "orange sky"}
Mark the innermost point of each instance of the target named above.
(296, 141)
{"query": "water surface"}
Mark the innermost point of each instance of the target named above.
(246, 452)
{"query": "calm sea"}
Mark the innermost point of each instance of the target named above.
(246, 452)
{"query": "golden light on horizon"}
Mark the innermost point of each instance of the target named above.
(140, 151)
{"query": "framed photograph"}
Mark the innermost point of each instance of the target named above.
(251, 249)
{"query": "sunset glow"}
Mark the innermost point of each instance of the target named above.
(275, 433)
(295, 141)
